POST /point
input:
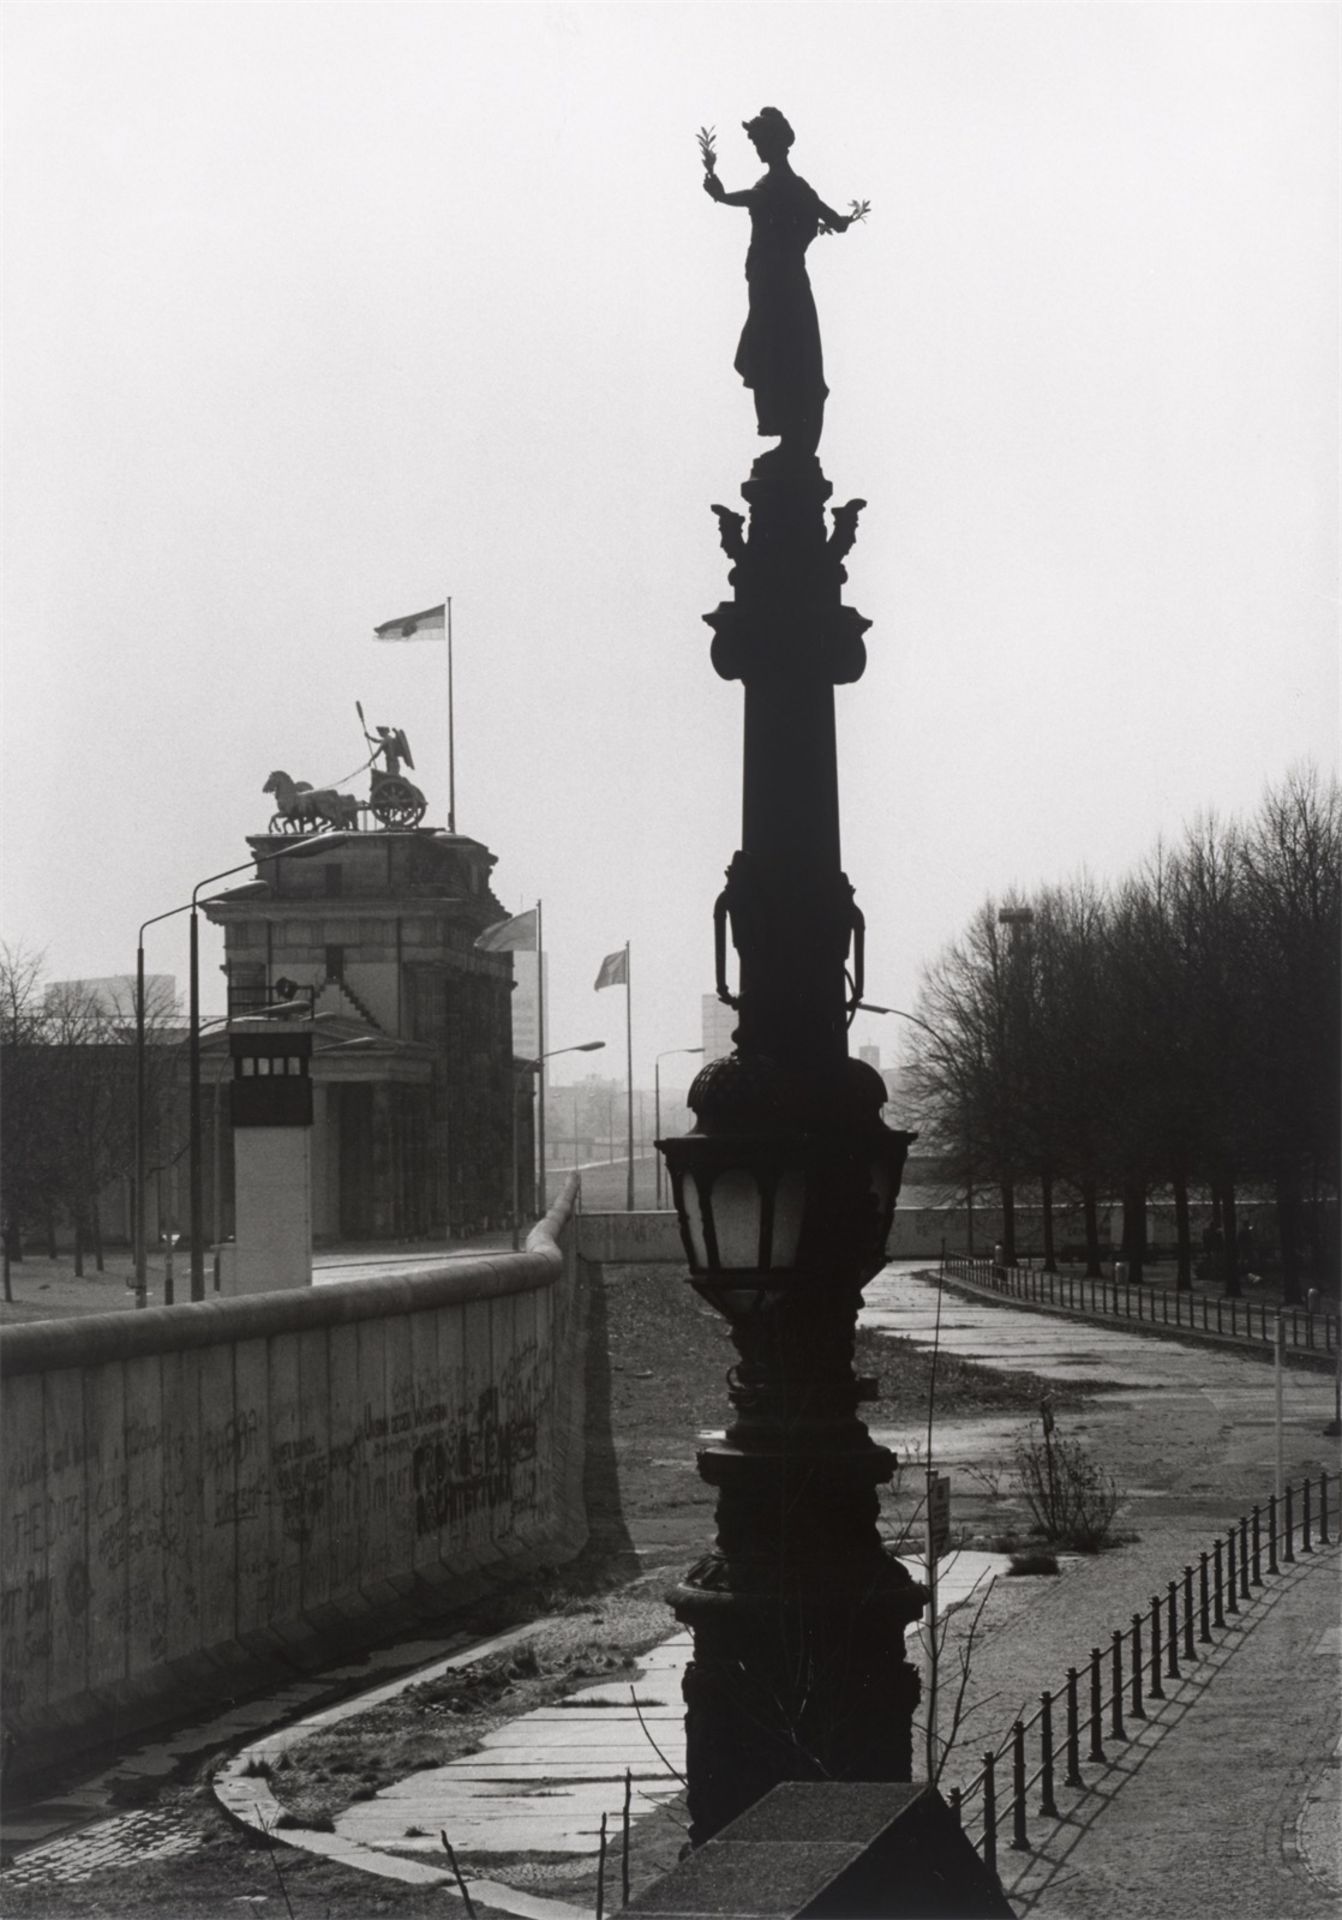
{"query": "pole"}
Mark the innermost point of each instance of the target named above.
(197, 1196)
(517, 1196)
(657, 1126)
(451, 737)
(1279, 1346)
(542, 1189)
(217, 1196)
(933, 1661)
(629, 1070)
(140, 1156)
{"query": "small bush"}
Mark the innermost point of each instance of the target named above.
(1072, 1497)
(1031, 1562)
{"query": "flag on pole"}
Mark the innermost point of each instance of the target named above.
(429, 625)
(517, 935)
(614, 971)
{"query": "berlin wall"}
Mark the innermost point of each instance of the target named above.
(198, 1490)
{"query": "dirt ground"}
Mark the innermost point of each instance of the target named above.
(656, 1387)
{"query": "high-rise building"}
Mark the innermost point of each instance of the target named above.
(719, 1024)
(526, 1024)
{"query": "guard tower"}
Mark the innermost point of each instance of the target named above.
(270, 1101)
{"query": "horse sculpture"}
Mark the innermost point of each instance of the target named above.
(303, 808)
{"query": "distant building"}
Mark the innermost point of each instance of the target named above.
(872, 1056)
(526, 1025)
(417, 1109)
(719, 1024)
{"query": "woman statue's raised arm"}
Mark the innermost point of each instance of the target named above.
(715, 190)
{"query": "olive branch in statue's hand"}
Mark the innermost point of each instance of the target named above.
(858, 211)
(708, 152)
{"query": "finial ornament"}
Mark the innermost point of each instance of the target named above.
(779, 356)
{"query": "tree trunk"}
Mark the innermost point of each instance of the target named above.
(1046, 1193)
(49, 1223)
(96, 1221)
(1134, 1228)
(1008, 1224)
(1231, 1268)
(1183, 1278)
(79, 1246)
(1090, 1208)
(1288, 1233)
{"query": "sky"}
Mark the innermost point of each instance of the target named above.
(316, 314)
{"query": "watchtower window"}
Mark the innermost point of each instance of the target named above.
(335, 963)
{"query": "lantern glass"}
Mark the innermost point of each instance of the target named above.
(736, 1218)
(789, 1208)
(694, 1225)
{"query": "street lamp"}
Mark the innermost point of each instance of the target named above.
(657, 1103)
(1019, 920)
(530, 1067)
(312, 844)
(784, 1191)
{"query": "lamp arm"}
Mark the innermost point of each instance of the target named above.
(727, 998)
(858, 926)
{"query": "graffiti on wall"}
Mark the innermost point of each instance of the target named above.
(119, 1528)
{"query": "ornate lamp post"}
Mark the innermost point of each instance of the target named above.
(786, 1186)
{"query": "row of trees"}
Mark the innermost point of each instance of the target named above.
(67, 1122)
(1176, 1032)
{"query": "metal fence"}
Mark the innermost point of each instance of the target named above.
(1112, 1297)
(1100, 1699)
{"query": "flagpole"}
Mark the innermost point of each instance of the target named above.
(542, 1196)
(451, 734)
(629, 1067)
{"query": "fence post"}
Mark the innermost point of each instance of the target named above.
(1234, 1321)
(1204, 1312)
(1204, 1619)
(1289, 1555)
(1219, 1327)
(1306, 1520)
(1189, 1654)
(1048, 1806)
(1115, 1704)
(1156, 1688)
(990, 1812)
(1272, 1533)
(1172, 1632)
(1323, 1507)
(1073, 1778)
(1020, 1838)
(957, 1813)
(1232, 1579)
(1135, 1707)
(1257, 1562)
(1244, 1593)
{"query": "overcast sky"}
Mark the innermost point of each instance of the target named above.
(317, 313)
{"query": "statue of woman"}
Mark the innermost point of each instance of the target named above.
(779, 356)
